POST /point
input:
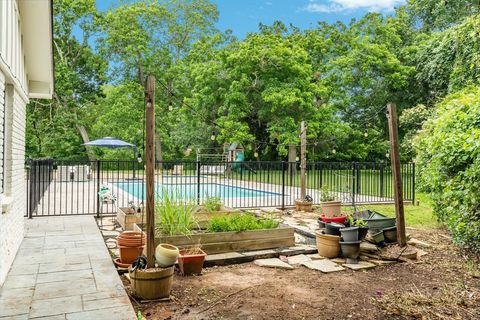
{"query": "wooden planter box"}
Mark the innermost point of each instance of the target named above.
(220, 242)
(127, 220)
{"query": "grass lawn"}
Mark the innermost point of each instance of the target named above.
(420, 216)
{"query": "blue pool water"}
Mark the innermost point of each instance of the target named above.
(189, 190)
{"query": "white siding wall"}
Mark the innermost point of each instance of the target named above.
(11, 44)
(13, 83)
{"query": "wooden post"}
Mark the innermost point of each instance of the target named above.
(303, 160)
(397, 178)
(150, 168)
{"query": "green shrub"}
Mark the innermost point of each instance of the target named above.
(448, 162)
(172, 217)
(212, 204)
(239, 222)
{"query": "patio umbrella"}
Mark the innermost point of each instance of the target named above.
(113, 143)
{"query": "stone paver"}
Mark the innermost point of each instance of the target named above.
(298, 259)
(361, 265)
(63, 270)
(325, 266)
(272, 263)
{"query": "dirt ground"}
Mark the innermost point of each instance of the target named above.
(445, 284)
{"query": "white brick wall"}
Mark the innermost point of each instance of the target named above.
(14, 195)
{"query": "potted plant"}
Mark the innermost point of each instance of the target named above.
(130, 244)
(327, 245)
(349, 234)
(350, 250)
(361, 224)
(329, 203)
(128, 216)
(190, 260)
(305, 204)
(166, 255)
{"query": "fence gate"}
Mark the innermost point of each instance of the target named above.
(67, 187)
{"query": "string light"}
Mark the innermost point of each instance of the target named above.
(170, 108)
(255, 154)
(334, 151)
(212, 137)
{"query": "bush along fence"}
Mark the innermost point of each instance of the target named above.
(66, 187)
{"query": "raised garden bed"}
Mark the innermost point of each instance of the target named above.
(221, 242)
(127, 219)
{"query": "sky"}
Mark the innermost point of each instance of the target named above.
(243, 16)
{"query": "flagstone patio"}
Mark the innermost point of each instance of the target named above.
(63, 270)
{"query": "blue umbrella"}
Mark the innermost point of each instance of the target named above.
(113, 143)
(110, 142)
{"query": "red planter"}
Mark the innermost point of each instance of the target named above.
(129, 254)
(191, 263)
(340, 219)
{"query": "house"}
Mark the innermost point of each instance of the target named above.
(26, 72)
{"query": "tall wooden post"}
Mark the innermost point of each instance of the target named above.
(397, 177)
(150, 168)
(303, 160)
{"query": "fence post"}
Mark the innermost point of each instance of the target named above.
(283, 185)
(413, 183)
(98, 188)
(354, 186)
(358, 168)
(381, 180)
(198, 182)
(29, 189)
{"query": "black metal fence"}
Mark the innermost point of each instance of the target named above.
(61, 187)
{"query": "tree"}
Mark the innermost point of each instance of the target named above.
(448, 161)
(150, 37)
(442, 14)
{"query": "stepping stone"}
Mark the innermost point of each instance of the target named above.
(315, 256)
(382, 262)
(421, 253)
(418, 243)
(298, 259)
(325, 266)
(111, 245)
(339, 260)
(361, 265)
(273, 263)
(368, 247)
(110, 233)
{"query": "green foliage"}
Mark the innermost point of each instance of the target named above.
(240, 222)
(172, 217)
(449, 163)
(212, 204)
(436, 14)
(449, 60)
(326, 195)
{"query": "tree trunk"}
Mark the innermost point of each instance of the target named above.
(84, 134)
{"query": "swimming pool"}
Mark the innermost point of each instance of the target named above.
(190, 190)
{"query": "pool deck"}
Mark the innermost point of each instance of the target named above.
(63, 270)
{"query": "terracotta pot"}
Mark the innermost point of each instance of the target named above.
(120, 264)
(191, 263)
(130, 243)
(154, 283)
(166, 255)
(131, 239)
(129, 254)
(327, 245)
(331, 208)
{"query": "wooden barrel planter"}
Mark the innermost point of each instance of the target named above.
(150, 284)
